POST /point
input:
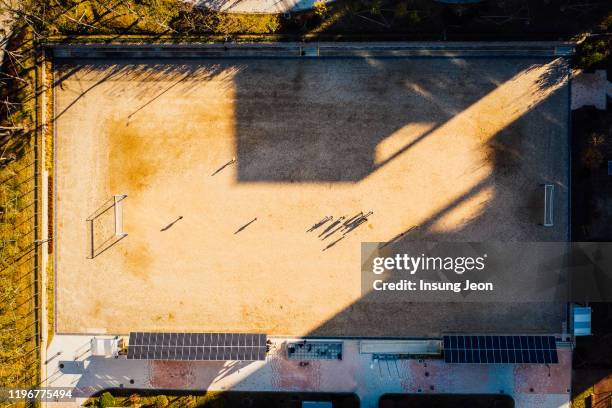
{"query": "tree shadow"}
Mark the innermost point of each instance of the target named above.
(435, 21)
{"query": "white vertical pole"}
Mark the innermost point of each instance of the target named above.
(118, 208)
(91, 238)
(117, 215)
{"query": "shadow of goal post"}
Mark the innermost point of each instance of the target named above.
(116, 203)
(549, 190)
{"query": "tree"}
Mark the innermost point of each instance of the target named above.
(592, 53)
(592, 157)
(401, 9)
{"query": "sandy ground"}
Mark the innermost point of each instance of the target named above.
(457, 147)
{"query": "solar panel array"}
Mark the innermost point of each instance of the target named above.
(196, 346)
(500, 349)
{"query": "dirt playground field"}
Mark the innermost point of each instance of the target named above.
(251, 152)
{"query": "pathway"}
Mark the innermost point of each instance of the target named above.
(529, 385)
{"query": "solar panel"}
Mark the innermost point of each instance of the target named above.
(500, 349)
(196, 346)
(314, 350)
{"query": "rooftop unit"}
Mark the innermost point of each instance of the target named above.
(581, 320)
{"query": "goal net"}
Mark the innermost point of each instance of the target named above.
(105, 226)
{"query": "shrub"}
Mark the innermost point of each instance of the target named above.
(189, 401)
(229, 23)
(107, 400)
(214, 399)
(161, 401)
(593, 53)
(597, 140)
(320, 8)
(413, 17)
(592, 158)
(401, 9)
(606, 24)
(273, 24)
(375, 8)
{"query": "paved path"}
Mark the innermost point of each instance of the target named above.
(259, 6)
(529, 385)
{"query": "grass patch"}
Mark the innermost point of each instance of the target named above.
(19, 357)
(151, 17)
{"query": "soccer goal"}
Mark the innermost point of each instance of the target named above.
(118, 206)
(105, 227)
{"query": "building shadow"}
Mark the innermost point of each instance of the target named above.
(323, 122)
(530, 148)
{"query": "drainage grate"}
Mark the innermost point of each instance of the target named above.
(314, 350)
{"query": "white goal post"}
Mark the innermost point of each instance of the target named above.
(119, 215)
(116, 203)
